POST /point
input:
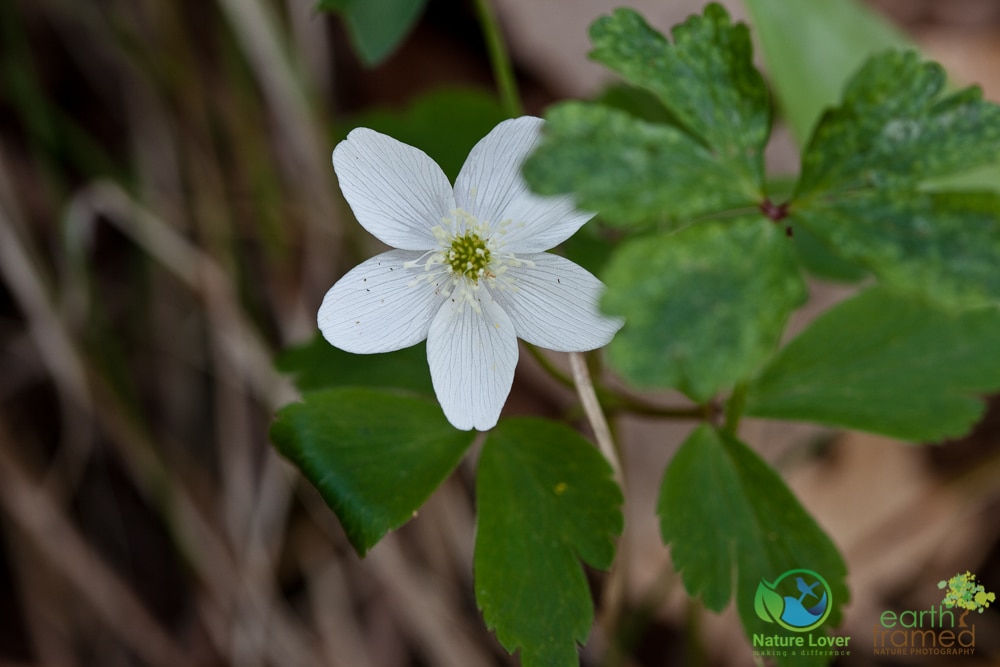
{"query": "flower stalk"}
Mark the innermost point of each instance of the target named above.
(592, 408)
(503, 70)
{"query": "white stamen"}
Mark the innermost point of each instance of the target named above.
(462, 236)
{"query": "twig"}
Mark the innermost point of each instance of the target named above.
(237, 336)
(18, 270)
(200, 541)
(209, 555)
(303, 139)
(26, 282)
(44, 523)
(426, 610)
(247, 360)
(337, 621)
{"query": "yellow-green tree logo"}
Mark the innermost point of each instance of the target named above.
(965, 593)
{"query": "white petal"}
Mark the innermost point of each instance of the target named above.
(472, 356)
(376, 307)
(397, 192)
(554, 304)
(491, 188)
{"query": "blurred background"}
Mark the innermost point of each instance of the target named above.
(169, 221)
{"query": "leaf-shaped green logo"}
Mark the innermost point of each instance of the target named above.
(768, 603)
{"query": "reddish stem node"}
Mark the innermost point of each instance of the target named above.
(774, 212)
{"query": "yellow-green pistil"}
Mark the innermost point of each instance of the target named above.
(469, 256)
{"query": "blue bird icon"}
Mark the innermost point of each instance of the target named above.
(806, 589)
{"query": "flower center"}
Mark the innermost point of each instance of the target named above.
(470, 249)
(469, 255)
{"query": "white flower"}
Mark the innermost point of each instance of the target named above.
(469, 273)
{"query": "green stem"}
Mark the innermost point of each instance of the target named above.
(694, 649)
(737, 212)
(503, 71)
(617, 402)
(734, 408)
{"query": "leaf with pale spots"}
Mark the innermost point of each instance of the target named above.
(374, 456)
(546, 500)
(703, 307)
(941, 246)
(813, 48)
(702, 152)
(865, 172)
(706, 78)
(894, 130)
(632, 170)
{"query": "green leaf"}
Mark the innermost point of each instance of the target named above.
(731, 522)
(885, 364)
(374, 456)
(637, 102)
(546, 500)
(768, 603)
(318, 365)
(704, 306)
(893, 130)
(444, 123)
(702, 153)
(818, 259)
(942, 246)
(376, 26)
(632, 170)
(706, 78)
(812, 49)
(861, 190)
